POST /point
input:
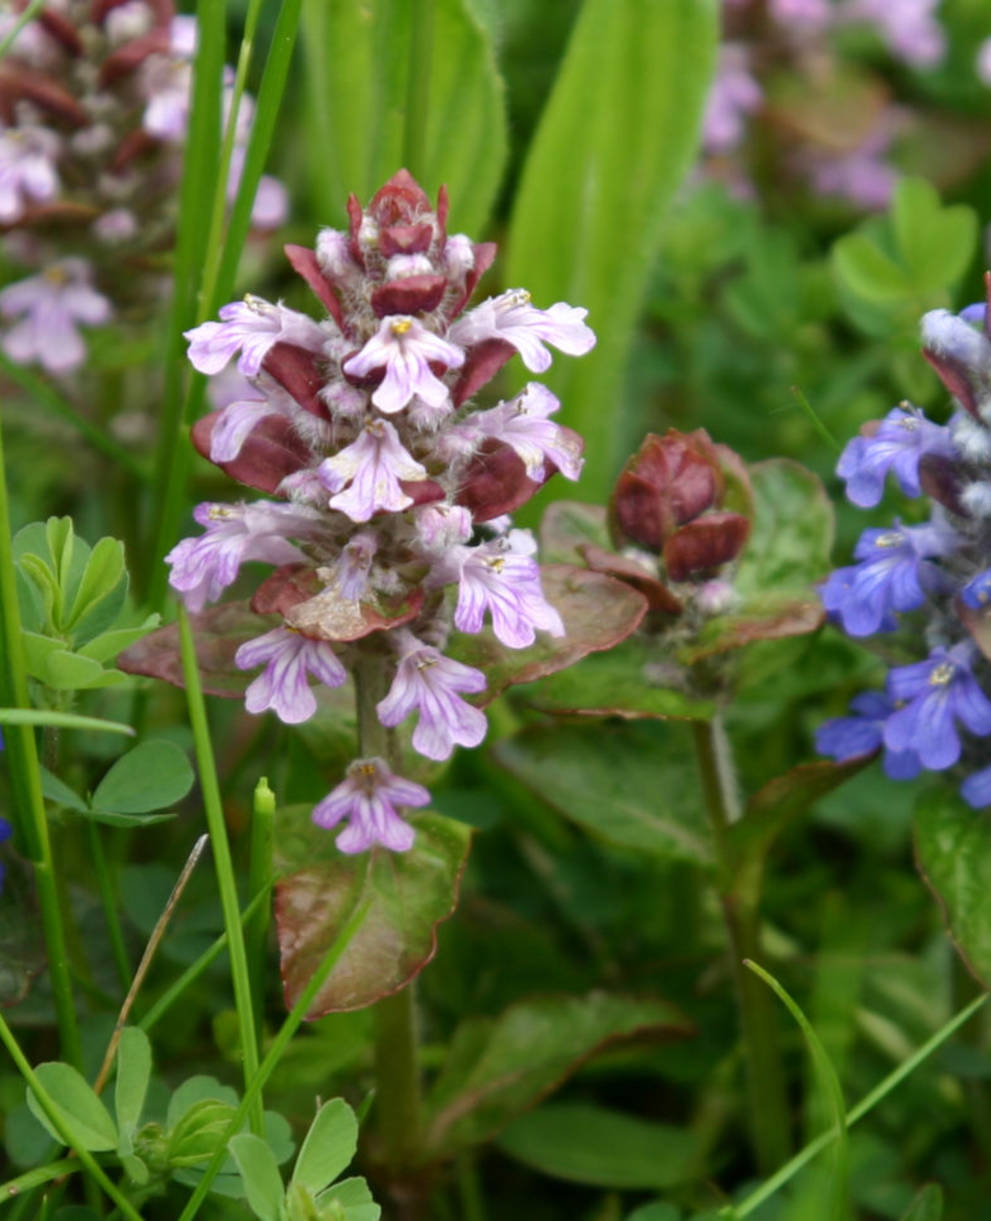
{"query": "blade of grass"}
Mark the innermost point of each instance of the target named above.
(275, 1053)
(220, 257)
(198, 184)
(30, 820)
(196, 969)
(226, 884)
(62, 720)
(810, 411)
(840, 1176)
(260, 881)
(30, 11)
(54, 1116)
(47, 396)
(38, 1177)
(855, 1114)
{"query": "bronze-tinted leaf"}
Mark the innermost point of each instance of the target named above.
(218, 633)
(328, 616)
(304, 263)
(598, 613)
(319, 888)
(270, 453)
(568, 525)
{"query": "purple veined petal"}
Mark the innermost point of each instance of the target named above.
(261, 649)
(85, 304)
(970, 704)
(236, 422)
(907, 682)
(926, 726)
(283, 687)
(376, 464)
(846, 737)
(323, 663)
(365, 797)
(405, 792)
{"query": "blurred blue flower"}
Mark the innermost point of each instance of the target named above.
(902, 438)
(894, 575)
(846, 737)
(936, 693)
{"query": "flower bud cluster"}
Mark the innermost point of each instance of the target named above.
(94, 109)
(392, 486)
(929, 583)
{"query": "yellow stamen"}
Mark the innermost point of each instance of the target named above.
(942, 674)
(401, 326)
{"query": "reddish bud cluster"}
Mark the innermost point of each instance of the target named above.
(669, 497)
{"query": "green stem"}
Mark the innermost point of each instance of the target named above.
(108, 897)
(739, 897)
(37, 1177)
(260, 881)
(30, 820)
(196, 969)
(29, 12)
(54, 1116)
(225, 867)
(421, 45)
(397, 1068)
(854, 1115)
(275, 1053)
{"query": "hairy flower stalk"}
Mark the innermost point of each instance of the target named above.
(94, 110)
(390, 525)
(927, 585)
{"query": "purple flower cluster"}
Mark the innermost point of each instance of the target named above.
(94, 107)
(392, 486)
(939, 573)
(762, 35)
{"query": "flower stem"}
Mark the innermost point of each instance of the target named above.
(260, 880)
(739, 895)
(226, 884)
(30, 820)
(397, 1068)
(108, 897)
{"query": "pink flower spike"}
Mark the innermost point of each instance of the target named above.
(523, 424)
(502, 577)
(251, 327)
(367, 797)
(430, 683)
(288, 657)
(48, 307)
(405, 348)
(27, 170)
(514, 320)
(371, 469)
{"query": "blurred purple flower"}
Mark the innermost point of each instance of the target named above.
(734, 95)
(48, 308)
(936, 693)
(846, 737)
(902, 438)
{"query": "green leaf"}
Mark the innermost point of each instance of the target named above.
(354, 1197)
(633, 680)
(497, 1068)
(953, 853)
(101, 592)
(131, 1085)
(64, 720)
(602, 1148)
(329, 1146)
(935, 243)
(927, 1205)
(658, 1210)
(107, 645)
(67, 671)
(258, 1168)
(154, 774)
(410, 894)
(197, 1089)
(37, 650)
(634, 784)
(867, 271)
(85, 1116)
(56, 791)
(371, 64)
(615, 139)
(196, 1136)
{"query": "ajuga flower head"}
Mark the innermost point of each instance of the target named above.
(94, 108)
(392, 488)
(926, 588)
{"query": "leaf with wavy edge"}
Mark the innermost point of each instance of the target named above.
(319, 888)
(497, 1068)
